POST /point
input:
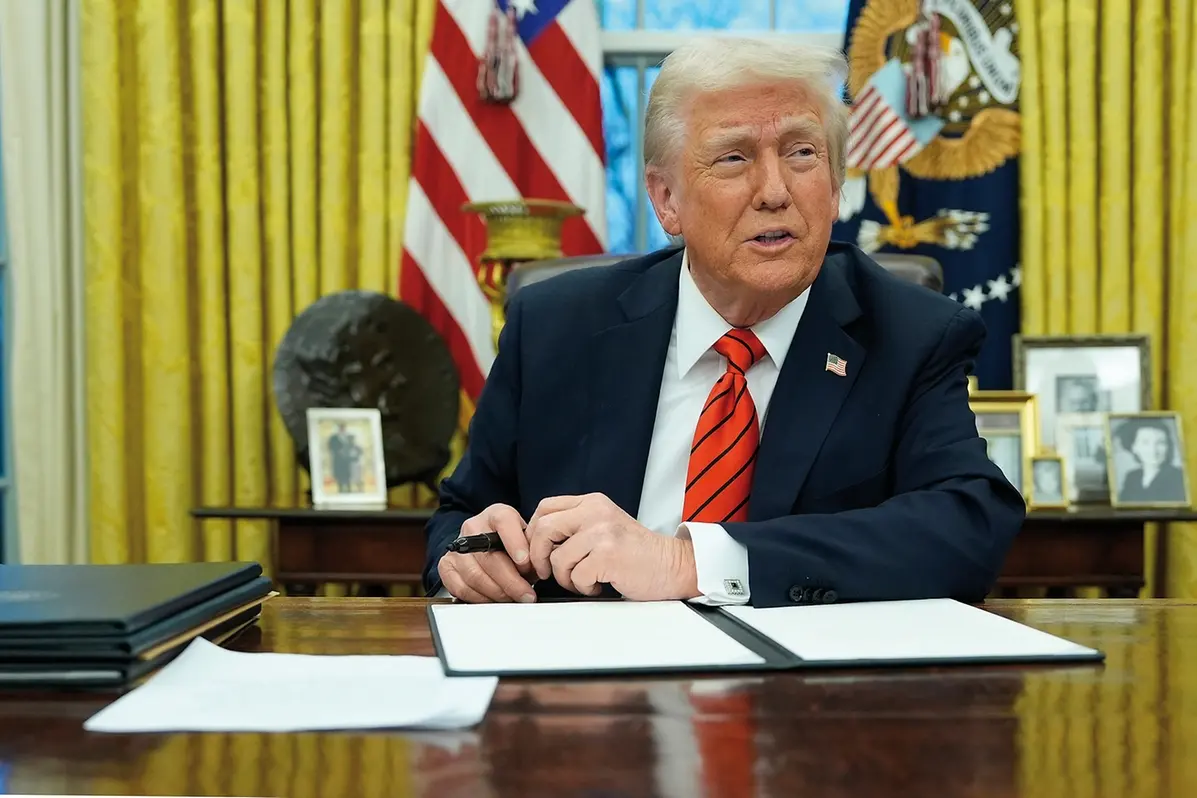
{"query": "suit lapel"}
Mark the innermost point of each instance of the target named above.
(807, 396)
(627, 363)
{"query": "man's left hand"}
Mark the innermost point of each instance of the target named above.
(584, 541)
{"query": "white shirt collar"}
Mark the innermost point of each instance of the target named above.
(698, 325)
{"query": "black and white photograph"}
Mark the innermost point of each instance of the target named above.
(1006, 452)
(1006, 420)
(1092, 374)
(1047, 482)
(1081, 441)
(1146, 461)
(346, 457)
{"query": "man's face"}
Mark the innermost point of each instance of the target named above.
(752, 191)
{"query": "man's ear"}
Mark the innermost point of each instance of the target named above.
(664, 199)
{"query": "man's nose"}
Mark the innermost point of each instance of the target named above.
(772, 193)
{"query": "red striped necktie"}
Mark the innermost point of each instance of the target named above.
(725, 442)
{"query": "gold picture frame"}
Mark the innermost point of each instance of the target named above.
(1125, 450)
(1005, 419)
(1036, 500)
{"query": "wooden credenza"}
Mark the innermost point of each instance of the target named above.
(1062, 549)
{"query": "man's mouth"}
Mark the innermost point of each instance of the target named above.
(775, 237)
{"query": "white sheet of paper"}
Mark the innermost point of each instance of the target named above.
(559, 637)
(209, 688)
(900, 630)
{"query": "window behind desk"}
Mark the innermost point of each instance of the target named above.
(637, 34)
(7, 532)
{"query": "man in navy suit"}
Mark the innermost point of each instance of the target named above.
(762, 417)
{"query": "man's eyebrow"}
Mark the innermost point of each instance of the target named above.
(803, 126)
(726, 137)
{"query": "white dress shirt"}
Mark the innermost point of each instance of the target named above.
(692, 368)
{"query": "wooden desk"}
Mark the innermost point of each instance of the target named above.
(1126, 728)
(1091, 547)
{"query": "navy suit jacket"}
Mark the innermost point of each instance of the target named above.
(870, 486)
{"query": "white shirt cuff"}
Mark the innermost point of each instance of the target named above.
(722, 563)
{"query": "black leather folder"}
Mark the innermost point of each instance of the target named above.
(107, 625)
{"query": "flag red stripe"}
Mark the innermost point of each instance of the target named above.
(567, 73)
(503, 132)
(415, 290)
(431, 169)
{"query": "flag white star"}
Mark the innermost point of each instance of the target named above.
(999, 288)
(974, 297)
(523, 7)
(1016, 276)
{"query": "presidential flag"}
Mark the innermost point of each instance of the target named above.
(509, 109)
(933, 147)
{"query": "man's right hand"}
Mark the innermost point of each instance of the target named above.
(495, 575)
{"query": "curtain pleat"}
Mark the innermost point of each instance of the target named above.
(1114, 137)
(109, 424)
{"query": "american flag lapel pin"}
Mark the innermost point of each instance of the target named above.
(837, 365)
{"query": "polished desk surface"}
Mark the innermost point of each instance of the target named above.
(1124, 728)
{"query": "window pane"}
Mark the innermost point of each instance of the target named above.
(812, 15)
(618, 14)
(623, 176)
(3, 381)
(695, 14)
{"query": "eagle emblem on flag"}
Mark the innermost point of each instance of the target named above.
(934, 86)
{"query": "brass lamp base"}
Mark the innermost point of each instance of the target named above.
(516, 231)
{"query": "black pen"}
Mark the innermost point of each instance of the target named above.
(477, 544)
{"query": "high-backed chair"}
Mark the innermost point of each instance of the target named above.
(918, 269)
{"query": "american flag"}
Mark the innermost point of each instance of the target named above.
(880, 132)
(545, 143)
(837, 365)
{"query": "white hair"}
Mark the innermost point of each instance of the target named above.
(717, 63)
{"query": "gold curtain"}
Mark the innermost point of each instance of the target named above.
(1109, 196)
(241, 159)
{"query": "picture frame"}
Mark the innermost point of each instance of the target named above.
(1008, 422)
(1081, 441)
(1049, 483)
(1146, 460)
(1082, 374)
(345, 457)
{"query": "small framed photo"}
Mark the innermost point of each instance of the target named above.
(1147, 460)
(1049, 486)
(346, 458)
(1081, 441)
(1091, 374)
(1007, 422)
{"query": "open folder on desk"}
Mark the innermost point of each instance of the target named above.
(622, 637)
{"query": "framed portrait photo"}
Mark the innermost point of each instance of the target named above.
(1147, 460)
(1049, 482)
(1007, 422)
(1081, 441)
(1082, 375)
(346, 457)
